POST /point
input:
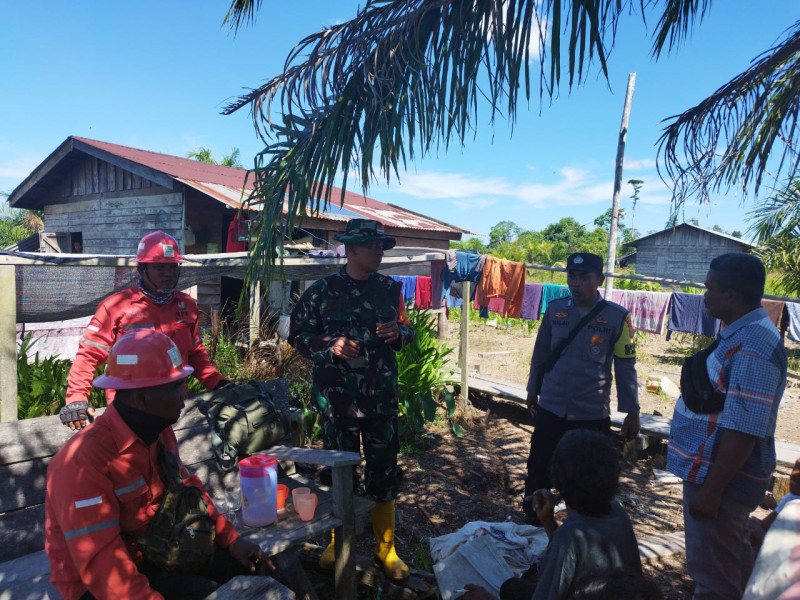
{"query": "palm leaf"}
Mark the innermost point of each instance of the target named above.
(744, 127)
(403, 77)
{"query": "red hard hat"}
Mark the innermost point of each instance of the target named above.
(141, 359)
(158, 247)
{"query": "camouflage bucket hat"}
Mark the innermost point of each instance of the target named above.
(360, 231)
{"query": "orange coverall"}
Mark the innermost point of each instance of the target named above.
(128, 310)
(104, 482)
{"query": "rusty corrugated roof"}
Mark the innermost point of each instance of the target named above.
(225, 185)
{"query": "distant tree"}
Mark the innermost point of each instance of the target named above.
(204, 155)
(637, 187)
(736, 233)
(472, 243)
(718, 229)
(567, 231)
(17, 224)
(504, 232)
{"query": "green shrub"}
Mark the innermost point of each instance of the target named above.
(42, 383)
(421, 377)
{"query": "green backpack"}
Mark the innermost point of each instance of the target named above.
(180, 536)
(247, 418)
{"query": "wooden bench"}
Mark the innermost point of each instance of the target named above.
(651, 425)
(27, 447)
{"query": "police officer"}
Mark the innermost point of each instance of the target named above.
(350, 325)
(569, 385)
(153, 303)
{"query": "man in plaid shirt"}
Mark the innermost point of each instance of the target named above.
(726, 458)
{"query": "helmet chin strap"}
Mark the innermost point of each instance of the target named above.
(158, 290)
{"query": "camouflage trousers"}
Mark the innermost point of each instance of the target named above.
(378, 435)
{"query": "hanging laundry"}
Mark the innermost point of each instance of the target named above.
(531, 301)
(496, 305)
(423, 293)
(648, 309)
(453, 300)
(793, 308)
(687, 314)
(504, 279)
(468, 268)
(409, 286)
(775, 310)
(551, 291)
(437, 267)
(237, 227)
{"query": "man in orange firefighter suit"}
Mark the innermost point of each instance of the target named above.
(107, 482)
(152, 303)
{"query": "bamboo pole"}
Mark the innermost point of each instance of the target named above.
(623, 134)
(8, 348)
(464, 340)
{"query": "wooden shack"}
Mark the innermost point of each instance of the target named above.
(106, 197)
(683, 252)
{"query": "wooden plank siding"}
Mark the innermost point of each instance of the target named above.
(682, 254)
(95, 176)
(115, 225)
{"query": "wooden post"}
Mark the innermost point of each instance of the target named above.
(464, 340)
(345, 565)
(8, 348)
(612, 234)
(255, 312)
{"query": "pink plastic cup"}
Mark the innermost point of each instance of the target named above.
(306, 505)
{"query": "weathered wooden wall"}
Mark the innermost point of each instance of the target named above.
(95, 176)
(682, 254)
(114, 225)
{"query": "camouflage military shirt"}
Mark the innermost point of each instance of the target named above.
(341, 306)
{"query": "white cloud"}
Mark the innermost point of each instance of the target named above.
(18, 168)
(633, 164)
(574, 187)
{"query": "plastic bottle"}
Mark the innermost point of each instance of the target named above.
(258, 477)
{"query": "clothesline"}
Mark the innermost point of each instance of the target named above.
(501, 288)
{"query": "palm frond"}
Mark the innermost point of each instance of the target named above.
(744, 127)
(676, 22)
(240, 13)
(776, 225)
(403, 77)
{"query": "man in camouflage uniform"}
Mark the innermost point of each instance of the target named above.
(350, 325)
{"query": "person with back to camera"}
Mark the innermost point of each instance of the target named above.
(569, 384)
(722, 437)
(153, 303)
(113, 489)
(597, 535)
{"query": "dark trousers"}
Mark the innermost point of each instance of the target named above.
(190, 586)
(548, 431)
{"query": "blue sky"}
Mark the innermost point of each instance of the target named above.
(154, 75)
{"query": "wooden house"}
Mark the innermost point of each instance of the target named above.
(101, 198)
(683, 252)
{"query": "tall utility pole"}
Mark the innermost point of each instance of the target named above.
(612, 234)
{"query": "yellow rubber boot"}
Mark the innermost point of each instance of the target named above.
(383, 528)
(328, 557)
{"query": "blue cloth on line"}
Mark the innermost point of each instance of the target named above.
(466, 270)
(551, 291)
(687, 314)
(794, 320)
(409, 285)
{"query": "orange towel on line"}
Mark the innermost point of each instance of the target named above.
(502, 278)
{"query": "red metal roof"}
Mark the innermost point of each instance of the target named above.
(225, 184)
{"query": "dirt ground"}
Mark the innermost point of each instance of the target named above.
(451, 481)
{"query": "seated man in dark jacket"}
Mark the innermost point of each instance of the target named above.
(597, 535)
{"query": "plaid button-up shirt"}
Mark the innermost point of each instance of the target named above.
(749, 366)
